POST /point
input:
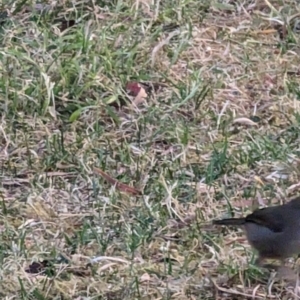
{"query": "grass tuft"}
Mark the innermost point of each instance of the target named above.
(216, 136)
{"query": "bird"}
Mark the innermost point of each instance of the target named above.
(274, 232)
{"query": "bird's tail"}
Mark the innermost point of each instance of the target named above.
(231, 221)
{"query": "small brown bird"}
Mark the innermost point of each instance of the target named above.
(273, 231)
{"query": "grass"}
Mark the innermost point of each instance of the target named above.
(219, 137)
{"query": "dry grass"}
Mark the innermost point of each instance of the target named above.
(221, 137)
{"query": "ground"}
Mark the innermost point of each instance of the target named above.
(126, 128)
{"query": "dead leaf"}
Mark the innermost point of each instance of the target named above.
(137, 91)
(245, 121)
(40, 268)
(119, 185)
(66, 24)
(133, 88)
(145, 278)
(259, 180)
(140, 98)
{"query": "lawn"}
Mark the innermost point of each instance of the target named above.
(126, 127)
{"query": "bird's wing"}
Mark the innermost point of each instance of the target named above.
(269, 217)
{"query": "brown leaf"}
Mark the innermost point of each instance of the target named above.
(133, 88)
(38, 267)
(137, 92)
(119, 185)
(66, 24)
